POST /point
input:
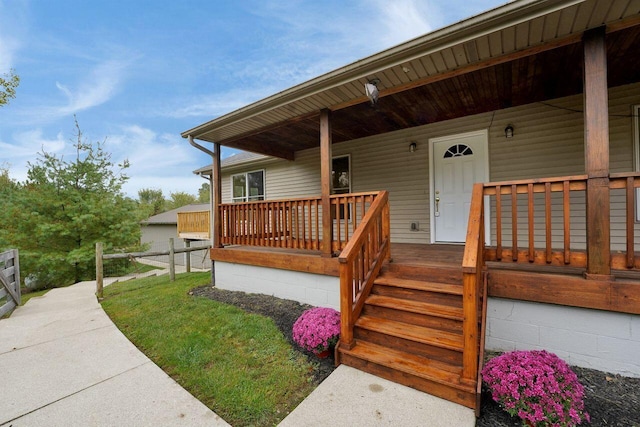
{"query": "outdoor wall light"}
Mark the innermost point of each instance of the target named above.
(371, 90)
(413, 146)
(508, 131)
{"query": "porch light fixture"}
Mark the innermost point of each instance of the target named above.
(508, 131)
(413, 146)
(371, 90)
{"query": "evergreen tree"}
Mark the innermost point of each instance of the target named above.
(64, 208)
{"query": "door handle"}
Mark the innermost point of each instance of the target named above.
(437, 199)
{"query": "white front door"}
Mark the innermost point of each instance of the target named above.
(458, 162)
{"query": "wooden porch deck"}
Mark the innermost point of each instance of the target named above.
(427, 255)
(551, 284)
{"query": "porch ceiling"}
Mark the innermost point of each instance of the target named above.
(447, 74)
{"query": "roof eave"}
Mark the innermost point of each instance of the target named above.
(503, 16)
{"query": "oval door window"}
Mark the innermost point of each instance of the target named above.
(458, 150)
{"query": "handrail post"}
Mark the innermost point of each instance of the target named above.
(472, 265)
(346, 305)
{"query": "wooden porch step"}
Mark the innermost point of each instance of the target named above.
(419, 307)
(418, 334)
(433, 273)
(433, 377)
(419, 285)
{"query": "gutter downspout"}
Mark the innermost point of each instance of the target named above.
(211, 202)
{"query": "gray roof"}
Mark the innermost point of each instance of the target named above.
(171, 217)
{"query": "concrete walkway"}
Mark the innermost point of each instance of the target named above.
(64, 363)
(349, 397)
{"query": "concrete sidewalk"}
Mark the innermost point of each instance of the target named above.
(64, 363)
(349, 397)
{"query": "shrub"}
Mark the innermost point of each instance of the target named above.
(537, 386)
(317, 329)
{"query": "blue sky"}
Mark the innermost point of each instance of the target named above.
(137, 73)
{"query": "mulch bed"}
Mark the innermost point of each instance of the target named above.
(611, 400)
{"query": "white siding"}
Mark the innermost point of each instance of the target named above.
(548, 142)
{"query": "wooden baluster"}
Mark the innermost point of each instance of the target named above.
(255, 213)
(276, 224)
(233, 233)
(349, 216)
(230, 227)
(300, 224)
(514, 223)
(567, 221)
(386, 230)
(532, 254)
(498, 223)
(245, 225)
(335, 205)
(265, 224)
(547, 221)
(288, 224)
(239, 212)
(306, 222)
(317, 227)
(280, 224)
(630, 221)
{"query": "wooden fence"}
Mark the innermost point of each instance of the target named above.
(9, 281)
(100, 257)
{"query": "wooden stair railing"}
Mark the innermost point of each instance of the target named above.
(472, 283)
(360, 264)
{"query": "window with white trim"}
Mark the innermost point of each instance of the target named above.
(248, 187)
(341, 181)
(341, 175)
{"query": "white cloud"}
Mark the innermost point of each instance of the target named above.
(216, 104)
(12, 24)
(305, 40)
(29, 143)
(25, 147)
(403, 20)
(97, 88)
(164, 161)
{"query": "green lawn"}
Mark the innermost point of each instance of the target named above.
(237, 364)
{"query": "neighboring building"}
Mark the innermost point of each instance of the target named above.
(158, 229)
(502, 150)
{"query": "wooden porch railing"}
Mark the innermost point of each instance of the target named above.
(548, 222)
(196, 224)
(537, 197)
(293, 223)
(628, 182)
(519, 252)
(360, 264)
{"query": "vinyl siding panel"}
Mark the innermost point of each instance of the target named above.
(548, 142)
